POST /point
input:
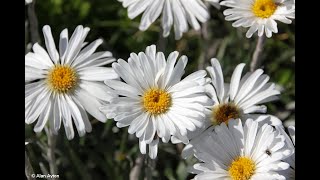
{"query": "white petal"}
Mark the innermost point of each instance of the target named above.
(260, 85)
(180, 21)
(169, 67)
(260, 30)
(87, 51)
(151, 14)
(150, 131)
(138, 122)
(37, 107)
(292, 132)
(250, 131)
(63, 44)
(211, 92)
(134, 63)
(142, 147)
(91, 104)
(169, 124)
(153, 148)
(126, 75)
(51, 47)
(217, 78)
(236, 128)
(255, 109)
(147, 66)
(151, 52)
(32, 74)
(42, 54)
(57, 115)
(260, 97)
(196, 76)
(178, 124)
(123, 88)
(167, 18)
(248, 85)
(182, 85)
(264, 119)
(160, 127)
(76, 115)
(84, 115)
(75, 43)
(33, 89)
(44, 116)
(66, 117)
(96, 59)
(97, 74)
(189, 91)
(235, 80)
(138, 8)
(227, 140)
(98, 90)
(178, 71)
(126, 120)
(33, 60)
(252, 30)
(210, 176)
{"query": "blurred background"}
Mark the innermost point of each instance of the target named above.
(111, 153)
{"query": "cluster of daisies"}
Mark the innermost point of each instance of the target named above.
(223, 124)
(258, 15)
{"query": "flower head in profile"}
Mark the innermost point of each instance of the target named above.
(177, 13)
(154, 101)
(238, 152)
(62, 86)
(259, 15)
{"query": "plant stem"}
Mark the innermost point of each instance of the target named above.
(51, 151)
(162, 42)
(28, 167)
(33, 23)
(207, 45)
(203, 42)
(150, 166)
(136, 170)
(256, 58)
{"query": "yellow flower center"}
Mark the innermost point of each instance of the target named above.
(62, 78)
(264, 8)
(156, 101)
(242, 168)
(224, 112)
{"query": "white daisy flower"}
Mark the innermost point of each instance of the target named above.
(259, 15)
(155, 103)
(241, 98)
(174, 12)
(238, 152)
(63, 86)
(290, 144)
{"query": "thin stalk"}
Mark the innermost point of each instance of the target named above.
(150, 166)
(51, 151)
(136, 170)
(33, 23)
(28, 168)
(256, 58)
(162, 42)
